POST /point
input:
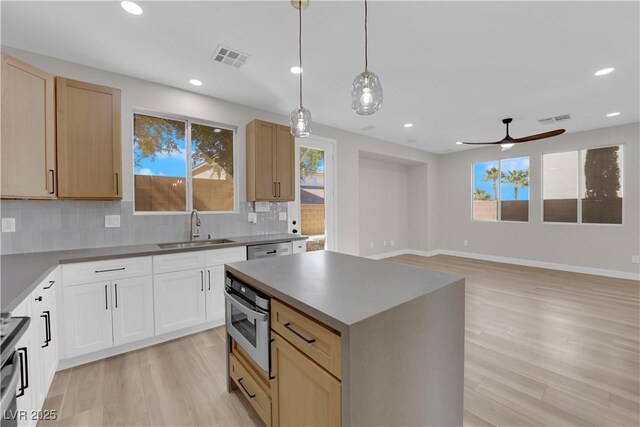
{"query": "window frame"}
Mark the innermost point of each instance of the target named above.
(188, 120)
(578, 152)
(499, 192)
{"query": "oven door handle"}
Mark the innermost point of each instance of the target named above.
(243, 308)
(5, 402)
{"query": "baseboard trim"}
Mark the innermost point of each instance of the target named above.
(114, 351)
(517, 261)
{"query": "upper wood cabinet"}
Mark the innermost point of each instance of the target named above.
(270, 162)
(89, 147)
(28, 150)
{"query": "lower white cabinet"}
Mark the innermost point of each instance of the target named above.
(132, 309)
(215, 293)
(87, 318)
(103, 314)
(179, 300)
(299, 246)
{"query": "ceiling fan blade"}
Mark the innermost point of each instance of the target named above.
(540, 136)
(482, 143)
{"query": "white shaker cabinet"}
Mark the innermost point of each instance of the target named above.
(215, 293)
(179, 300)
(132, 309)
(87, 318)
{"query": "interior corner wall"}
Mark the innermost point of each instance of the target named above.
(383, 206)
(418, 205)
(137, 93)
(608, 247)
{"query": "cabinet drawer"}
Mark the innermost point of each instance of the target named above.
(311, 337)
(249, 385)
(226, 255)
(251, 365)
(178, 262)
(113, 269)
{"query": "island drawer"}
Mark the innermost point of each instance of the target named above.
(248, 363)
(314, 339)
(250, 386)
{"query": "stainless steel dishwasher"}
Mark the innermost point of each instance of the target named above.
(272, 249)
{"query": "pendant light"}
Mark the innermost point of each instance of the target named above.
(300, 117)
(366, 90)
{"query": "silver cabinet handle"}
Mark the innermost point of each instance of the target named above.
(246, 310)
(106, 301)
(116, 286)
(278, 189)
(53, 181)
(274, 190)
(201, 281)
(110, 269)
(209, 273)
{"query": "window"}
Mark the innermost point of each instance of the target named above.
(583, 186)
(180, 165)
(501, 190)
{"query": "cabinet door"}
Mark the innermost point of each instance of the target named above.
(132, 309)
(215, 293)
(45, 338)
(28, 147)
(304, 393)
(87, 318)
(261, 161)
(179, 300)
(88, 129)
(285, 167)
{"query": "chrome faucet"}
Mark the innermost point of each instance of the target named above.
(195, 233)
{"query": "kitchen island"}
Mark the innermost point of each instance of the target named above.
(354, 342)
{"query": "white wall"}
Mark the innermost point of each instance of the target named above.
(384, 203)
(608, 247)
(138, 93)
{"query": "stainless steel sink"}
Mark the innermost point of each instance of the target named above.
(194, 244)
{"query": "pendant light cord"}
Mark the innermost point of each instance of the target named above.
(300, 45)
(366, 48)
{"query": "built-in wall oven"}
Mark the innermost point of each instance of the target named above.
(248, 320)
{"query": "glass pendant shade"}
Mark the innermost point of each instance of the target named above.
(301, 122)
(366, 93)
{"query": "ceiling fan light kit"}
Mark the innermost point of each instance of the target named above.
(366, 90)
(300, 117)
(508, 142)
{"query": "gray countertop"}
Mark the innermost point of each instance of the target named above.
(339, 290)
(21, 273)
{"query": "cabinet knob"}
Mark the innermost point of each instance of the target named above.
(39, 298)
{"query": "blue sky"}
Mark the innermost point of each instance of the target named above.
(164, 164)
(506, 190)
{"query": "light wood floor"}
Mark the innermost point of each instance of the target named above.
(543, 347)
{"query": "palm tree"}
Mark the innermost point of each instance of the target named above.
(519, 178)
(480, 194)
(491, 175)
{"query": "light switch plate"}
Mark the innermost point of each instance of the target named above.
(261, 207)
(634, 258)
(8, 225)
(112, 221)
(282, 216)
(253, 217)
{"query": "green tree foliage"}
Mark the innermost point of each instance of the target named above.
(480, 194)
(156, 135)
(602, 173)
(492, 175)
(519, 178)
(310, 159)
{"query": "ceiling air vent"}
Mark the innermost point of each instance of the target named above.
(232, 57)
(554, 119)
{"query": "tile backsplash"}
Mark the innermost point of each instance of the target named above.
(67, 224)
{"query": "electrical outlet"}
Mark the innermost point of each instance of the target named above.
(634, 258)
(392, 243)
(253, 217)
(371, 245)
(8, 225)
(466, 243)
(282, 216)
(112, 221)
(384, 243)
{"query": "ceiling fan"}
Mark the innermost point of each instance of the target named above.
(509, 142)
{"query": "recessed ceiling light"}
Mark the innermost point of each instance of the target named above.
(617, 113)
(131, 7)
(458, 142)
(408, 125)
(217, 130)
(604, 71)
(195, 82)
(295, 69)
